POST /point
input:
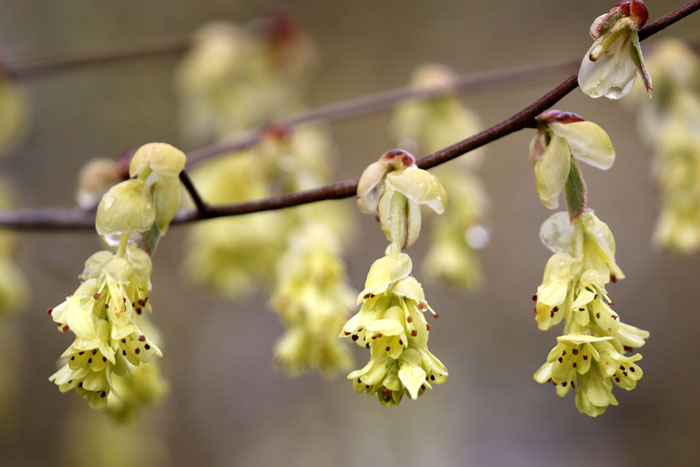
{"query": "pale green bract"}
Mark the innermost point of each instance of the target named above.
(395, 189)
(551, 152)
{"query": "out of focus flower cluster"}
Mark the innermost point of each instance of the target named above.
(313, 300)
(670, 124)
(236, 77)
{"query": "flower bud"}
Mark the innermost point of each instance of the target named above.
(126, 207)
(163, 158)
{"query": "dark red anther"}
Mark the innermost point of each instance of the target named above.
(355, 337)
(613, 278)
(97, 296)
(427, 327)
(48, 312)
(534, 298)
(142, 338)
(409, 319)
(65, 328)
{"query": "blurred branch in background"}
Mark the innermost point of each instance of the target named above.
(54, 219)
(48, 65)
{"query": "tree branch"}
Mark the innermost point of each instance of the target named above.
(199, 203)
(75, 219)
(39, 66)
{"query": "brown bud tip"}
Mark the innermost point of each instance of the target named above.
(399, 158)
(557, 116)
(277, 133)
(636, 9)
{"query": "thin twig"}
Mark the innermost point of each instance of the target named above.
(39, 66)
(202, 207)
(74, 219)
(376, 102)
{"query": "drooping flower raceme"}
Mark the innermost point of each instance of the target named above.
(670, 124)
(106, 312)
(391, 321)
(431, 124)
(590, 354)
(610, 66)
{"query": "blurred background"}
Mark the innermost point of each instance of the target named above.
(227, 404)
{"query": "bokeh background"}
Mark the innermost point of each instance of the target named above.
(228, 406)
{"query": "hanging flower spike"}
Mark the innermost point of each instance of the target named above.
(562, 138)
(611, 64)
(590, 356)
(391, 321)
(105, 313)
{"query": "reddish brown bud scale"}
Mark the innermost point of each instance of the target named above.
(636, 9)
(558, 116)
(399, 158)
(278, 133)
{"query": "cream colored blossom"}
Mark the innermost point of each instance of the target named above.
(391, 323)
(104, 314)
(610, 66)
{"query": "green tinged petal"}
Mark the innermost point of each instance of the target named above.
(419, 186)
(551, 172)
(588, 142)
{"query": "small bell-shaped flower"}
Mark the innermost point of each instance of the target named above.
(610, 66)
